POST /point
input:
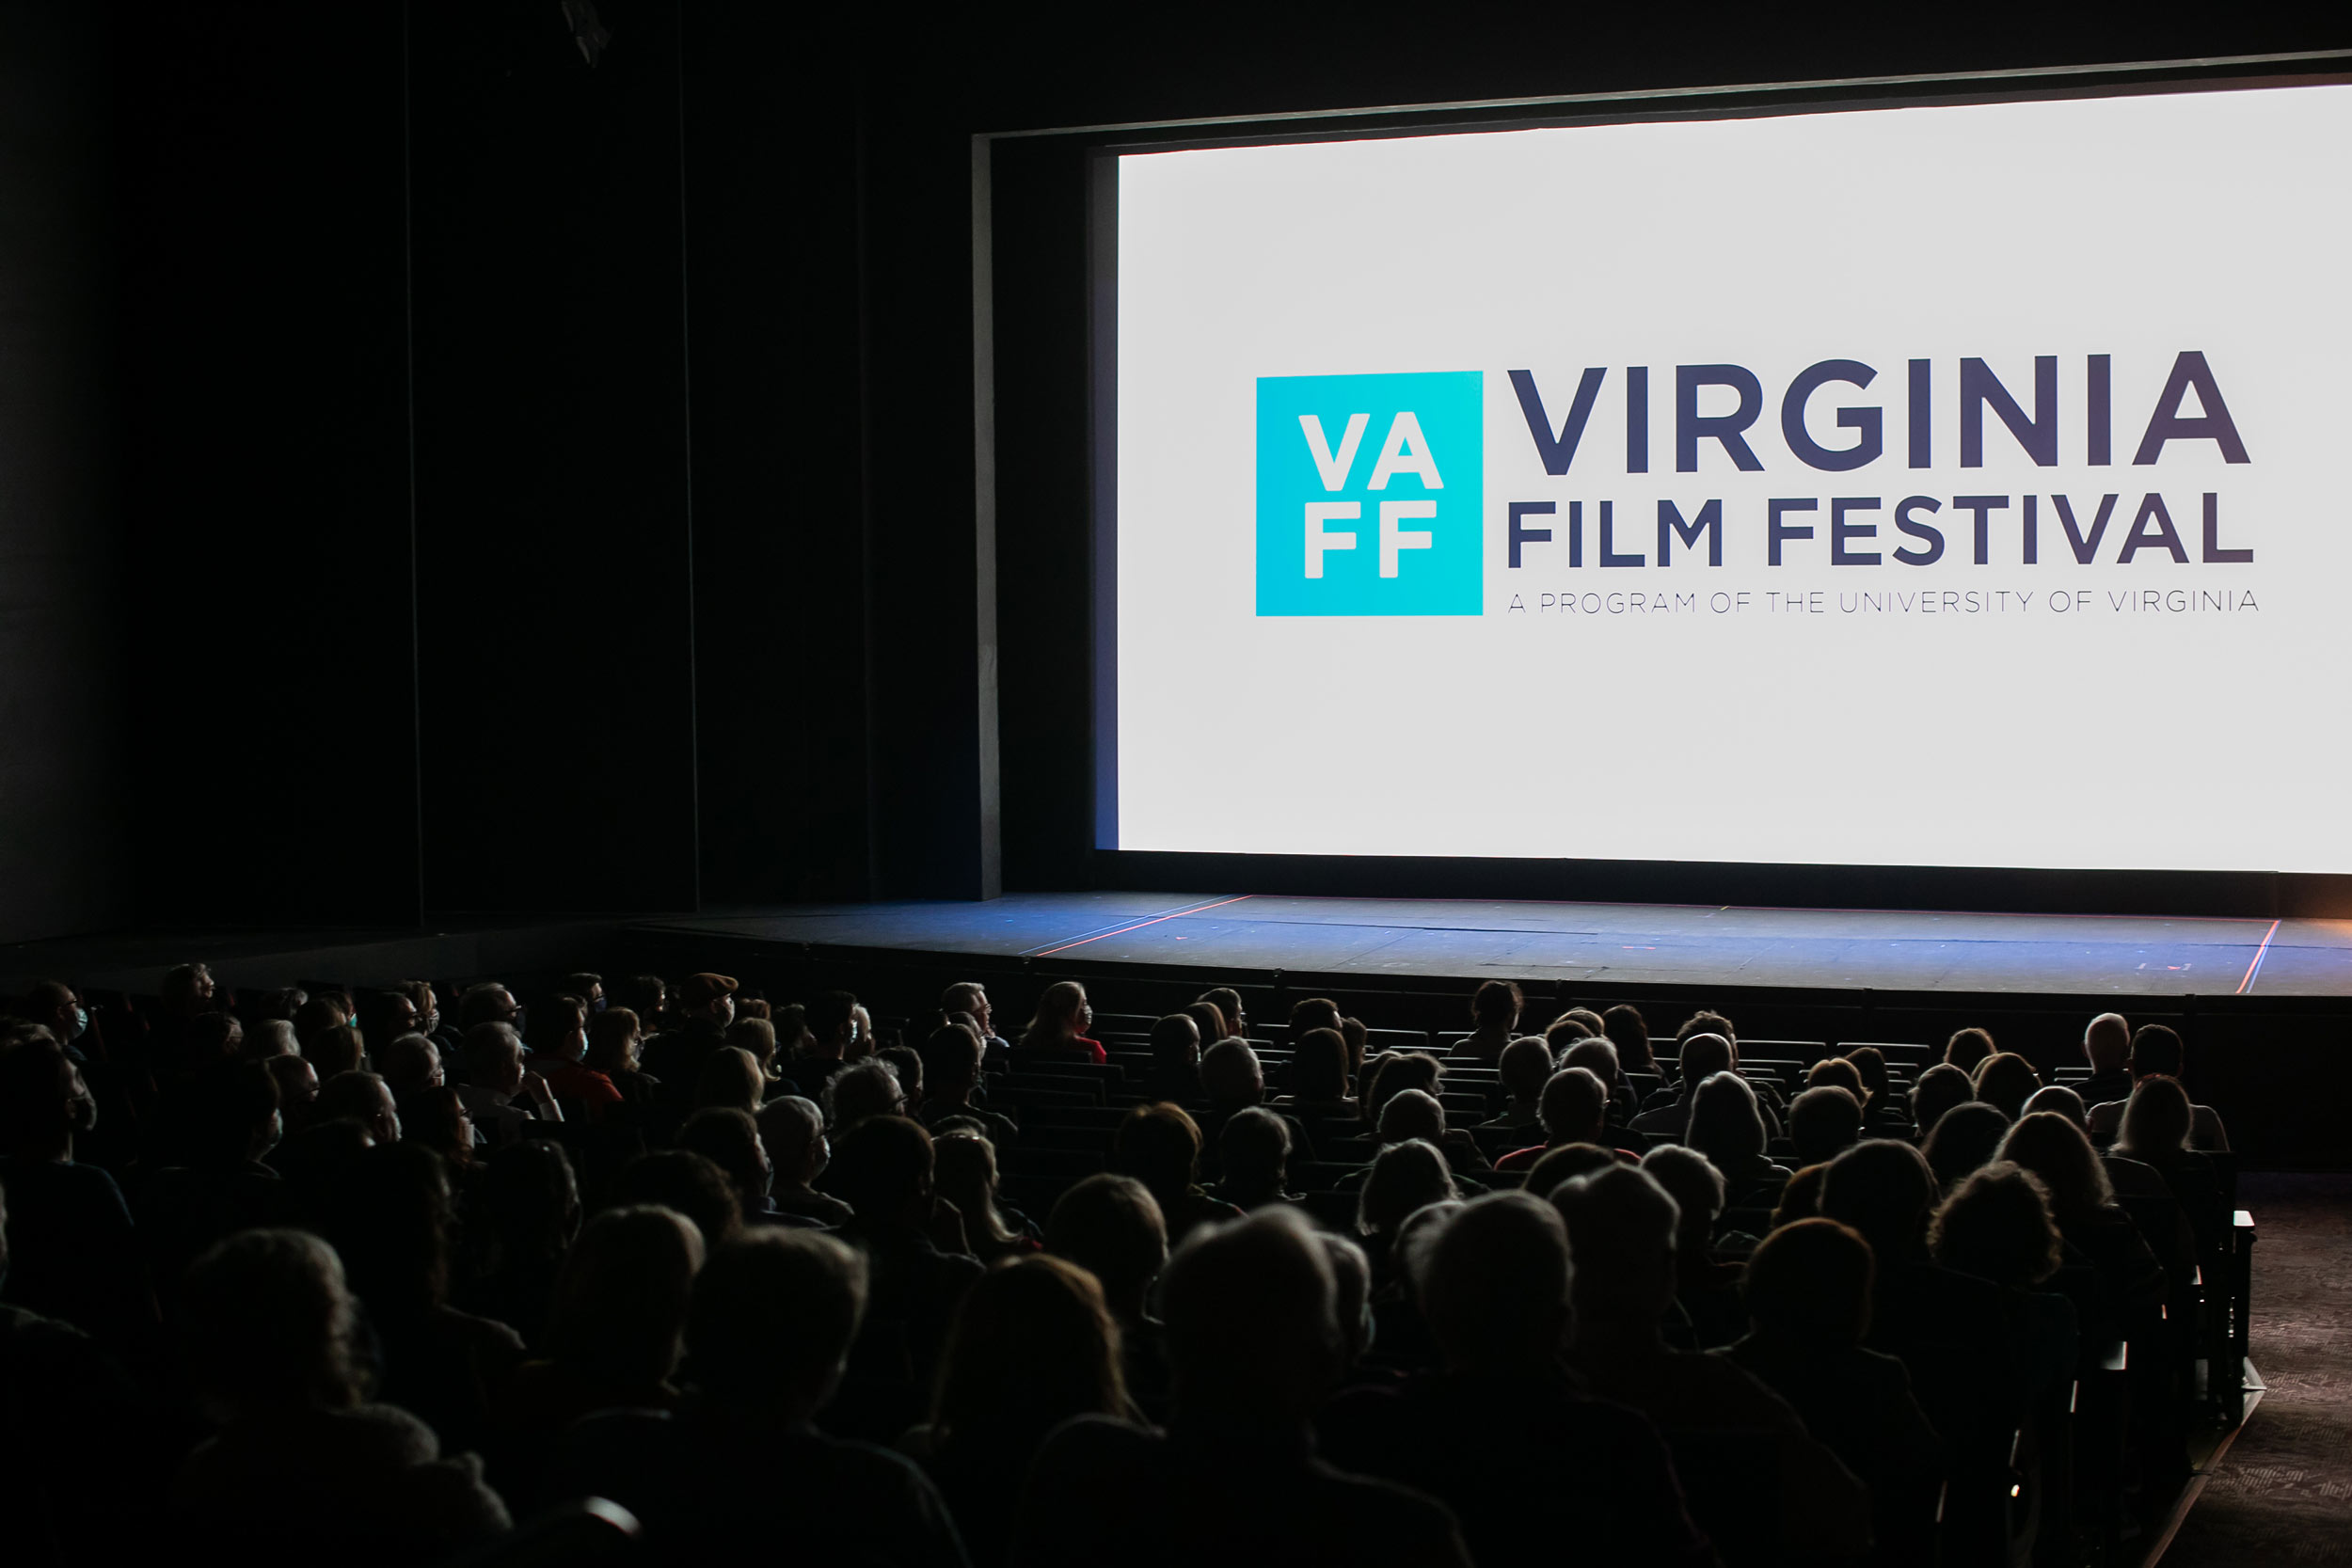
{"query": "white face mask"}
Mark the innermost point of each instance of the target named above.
(81, 1023)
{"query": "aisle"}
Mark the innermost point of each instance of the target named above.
(2283, 1492)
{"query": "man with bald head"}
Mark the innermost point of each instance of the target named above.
(2106, 1045)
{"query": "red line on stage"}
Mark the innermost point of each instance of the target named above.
(2255, 968)
(1140, 924)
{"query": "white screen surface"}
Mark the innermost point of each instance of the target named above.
(2177, 709)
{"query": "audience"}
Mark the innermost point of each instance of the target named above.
(1702, 1357)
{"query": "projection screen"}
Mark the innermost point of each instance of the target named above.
(1952, 486)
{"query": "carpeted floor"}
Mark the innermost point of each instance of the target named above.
(2283, 1492)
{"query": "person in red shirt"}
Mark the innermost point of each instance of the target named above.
(1059, 1027)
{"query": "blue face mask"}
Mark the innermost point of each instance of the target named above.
(596, 1004)
(81, 1023)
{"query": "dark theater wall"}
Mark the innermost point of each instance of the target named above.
(445, 476)
(63, 806)
(266, 613)
(555, 618)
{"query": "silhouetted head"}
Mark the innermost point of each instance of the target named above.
(1937, 1091)
(1630, 1033)
(729, 1138)
(1496, 1005)
(2007, 1080)
(1229, 1074)
(1252, 1330)
(1823, 1121)
(1496, 1291)
(1697, 1187)
(730, 1077)
(1563, 1162)
(2156, 1049)
(1160, 1147)
(1253, 1149)
(1319, 1060)
(770, 1320)
(1574, 1107)
(1110, 1226)
(2051, 1146)
(1621, 1227)
(619, 1304)
(691, 1183)
(1967, 1047)
(882, 1169)
(1998, 1227)
(1808, 1284)
(1525, 1067)
(1412, 1113)
(268, 1322)
(1725, 1125)
(1964, 1138)
(2157, 1120)
(1704, 1055)
(1032, 1346)
(1404, 1177)
(1883, 1188)
(2106, 1041)
(2057, 1099)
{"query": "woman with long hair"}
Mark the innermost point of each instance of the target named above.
(1059, 1027)
(964, 1171)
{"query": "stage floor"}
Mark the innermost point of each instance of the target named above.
(1612, 944)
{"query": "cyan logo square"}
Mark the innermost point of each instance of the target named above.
(1371, 493)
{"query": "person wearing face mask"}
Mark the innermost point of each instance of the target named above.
(705, 1006)
(792, 1129)
(74, 1255)
(57, 1008)
(588, 987)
